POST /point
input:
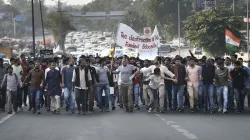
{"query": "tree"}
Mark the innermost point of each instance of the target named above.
(165, 14)
(135, 17)
(53, 22)
(207, 28)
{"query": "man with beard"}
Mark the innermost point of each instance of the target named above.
(179, 71)
(82, 81)
(163, 70)
(67, 75)
(18, 70)
(36, 79)
(53, 79)
(145, 76)
(168, 86)
(221, 81)
(126, 88)
(192, 78)
(24, 89)
(207, 76)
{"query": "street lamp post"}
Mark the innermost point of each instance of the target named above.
(179, 27)
(248, 30)
(33, 28)
(41, 11)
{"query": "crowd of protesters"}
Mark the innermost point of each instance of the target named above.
(164, 84)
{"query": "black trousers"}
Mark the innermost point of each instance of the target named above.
(20, 97)
(2, 98)
(81, 96)
(25, 90)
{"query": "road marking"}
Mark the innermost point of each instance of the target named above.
(6, 118)
(179, 128)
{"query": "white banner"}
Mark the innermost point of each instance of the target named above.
(146, 46)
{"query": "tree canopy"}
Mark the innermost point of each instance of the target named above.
(207, 28)
(53, 21)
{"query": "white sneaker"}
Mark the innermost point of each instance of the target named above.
(220, 110)
(150, 110)
(224, 110)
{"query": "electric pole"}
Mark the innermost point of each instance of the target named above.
(33, 29)
(41, 11)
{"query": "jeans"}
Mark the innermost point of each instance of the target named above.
(105, 88)
(200, 95)
(208, 95)
(222, 93)
(36, 94)
(177, 96)
(112, 96)
(25, 94)
(136, 93)
(168, 97)
(69, 99)
(240, 96)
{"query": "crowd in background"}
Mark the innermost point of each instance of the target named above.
(164, 84)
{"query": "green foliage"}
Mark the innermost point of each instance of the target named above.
(53, 21)
(165, 13)
(207, 28)
(136, 16)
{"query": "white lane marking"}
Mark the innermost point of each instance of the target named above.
(179, 128)
(6, 118)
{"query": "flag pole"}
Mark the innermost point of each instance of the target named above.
(248, 31)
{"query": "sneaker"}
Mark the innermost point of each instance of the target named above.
(79, 113)
(10, 112)
(38, 112)
(113, 108)
(131, 110)
(181, 109)
(150, 110)
(67, 109)
(137, 107)
(107, 110)
(192, 110)
(224, 110)
(91, 109)
(34, 110)
(58, 111)
(220, 110)
(48, 109)
(212, 111)
(127, 110)
(25, 104)
(54, 112)
(100, 110)
(121, 105)
(20, 108)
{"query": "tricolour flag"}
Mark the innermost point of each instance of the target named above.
(232, 42)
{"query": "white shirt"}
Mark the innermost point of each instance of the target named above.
(83, 84)
(164, 70)
(155, 81)
(145, 73)
(17, 70)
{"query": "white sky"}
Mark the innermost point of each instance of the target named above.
(69, 2)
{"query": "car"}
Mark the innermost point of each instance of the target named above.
(197, 51)
(164, 49)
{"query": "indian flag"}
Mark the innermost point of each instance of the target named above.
(232, 42)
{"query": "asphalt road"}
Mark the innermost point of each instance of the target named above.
(119, 125)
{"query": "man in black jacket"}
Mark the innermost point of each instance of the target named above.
(3, 71)
(207, 76)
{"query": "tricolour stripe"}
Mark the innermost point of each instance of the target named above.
(231, 39)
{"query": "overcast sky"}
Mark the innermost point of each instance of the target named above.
(70, 2)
